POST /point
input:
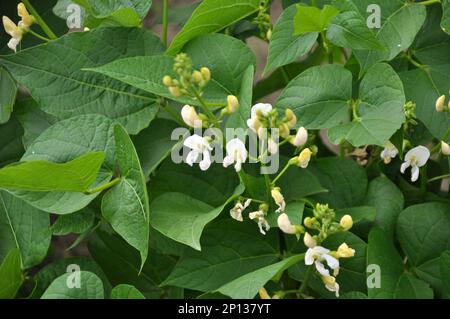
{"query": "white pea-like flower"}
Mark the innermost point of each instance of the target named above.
(317, 255)
(285, 225)
(190, 116)
(260, 108)
(260, 216)
(301, 137)
(278, 199)
(236, 211)
(389, 152)
(14, 31)
(199, 147)
(331, 284)
(236, 153)
(416, 158)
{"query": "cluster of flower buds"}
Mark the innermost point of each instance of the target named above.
(441, 106)
(263, 21)
(17, 31)
(190, 82)
(410, 113)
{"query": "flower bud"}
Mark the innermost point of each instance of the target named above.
(269, 34)
(190, 116)
(301, 137)
(206, 73)
(167, 80)
(304, 158)
(346, 222)
(278, 198)
(308, 222)
(284, 130)
(263, 294)
(27, 19)
(445, 148)
(440, 104)
(175, 91)
(309, 241)
(232, 104)
(290, 118)
(197, 76)
(344, 251)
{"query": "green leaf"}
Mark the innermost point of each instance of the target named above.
(422, 231)
(25, 228)
(183, 218)
(400, 24)
(424, 87)
(360, 213)
(8, 91)
(388, 201)
(76, 223)
(313, 19)
(125, 206)
(212, 16)
(11, 276)
(53, 74)
(345, 180)
(74, 176)
(430, 272)
(239, 118)
(380, 109)
(126, 292)
(319, 96)
(229, 248)
(381, 252)
(11, 148)
(445, 23)
(410, 287)
(293, 209)
(91, 287)
(284, 46)
(63, 142)
(445, 272)
(247, 286)
(50, 272)
(120, 262)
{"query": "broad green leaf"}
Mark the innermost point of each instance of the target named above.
(400, 24)
(239, 118)
(212, 16)
(63, 142)
(91, 287)
(381, 252)
(33, 120)
(11, 148)
(125, 206)
(25, 228)
(319, 96)
(445, 23)
(359, 213)
(423, 88)
(284, 46)
(247, 286)
(410, 287)
(155, 143)
(126, 292)
(8, 91)
(379, 109)
(430, 272)
(345, 180)
(229, 248)
(74, 176)
(388, 201)
(120, 262)
(313, 19)
(53, 74)
(445, 272)
(50, 272)
(11, 276)
(422, 231)
(76, 223)
(183, 218)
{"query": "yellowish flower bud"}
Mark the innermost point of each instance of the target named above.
(284, 130)
(27, 19)
(190, 116)
(263, 294)
(309, 241)
(197, 76)
(175, 91)
(445, 148)
(344, 251)
(232, 104)
(304, 158)
(291, 118)
(346, 222)
(269, 34)
(206, 74)
(440, 104)
(167, 80)
(308, 222)
(86, 29)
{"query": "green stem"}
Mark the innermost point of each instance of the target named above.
(414, 62)
(165, 21)
(354, 111)
(268, 188)
(308, 276)
(438, 178)
(104, 186)
(307, 202)
(281, 173)
(166, 107)
(429, 2)
(37, 35)
(39, 20)
(205, 108)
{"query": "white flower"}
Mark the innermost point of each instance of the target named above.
(199, 146)
(317, 255)
(14, 31)
(236, 153)
(285, 225)
(272, 146)
(389, 152)
(309, 241)
(262, 222)
(331, 284)
(262, 108)
(236, 211)
(190, 116)
(416, 157)
(278, 198)
(301, 137)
